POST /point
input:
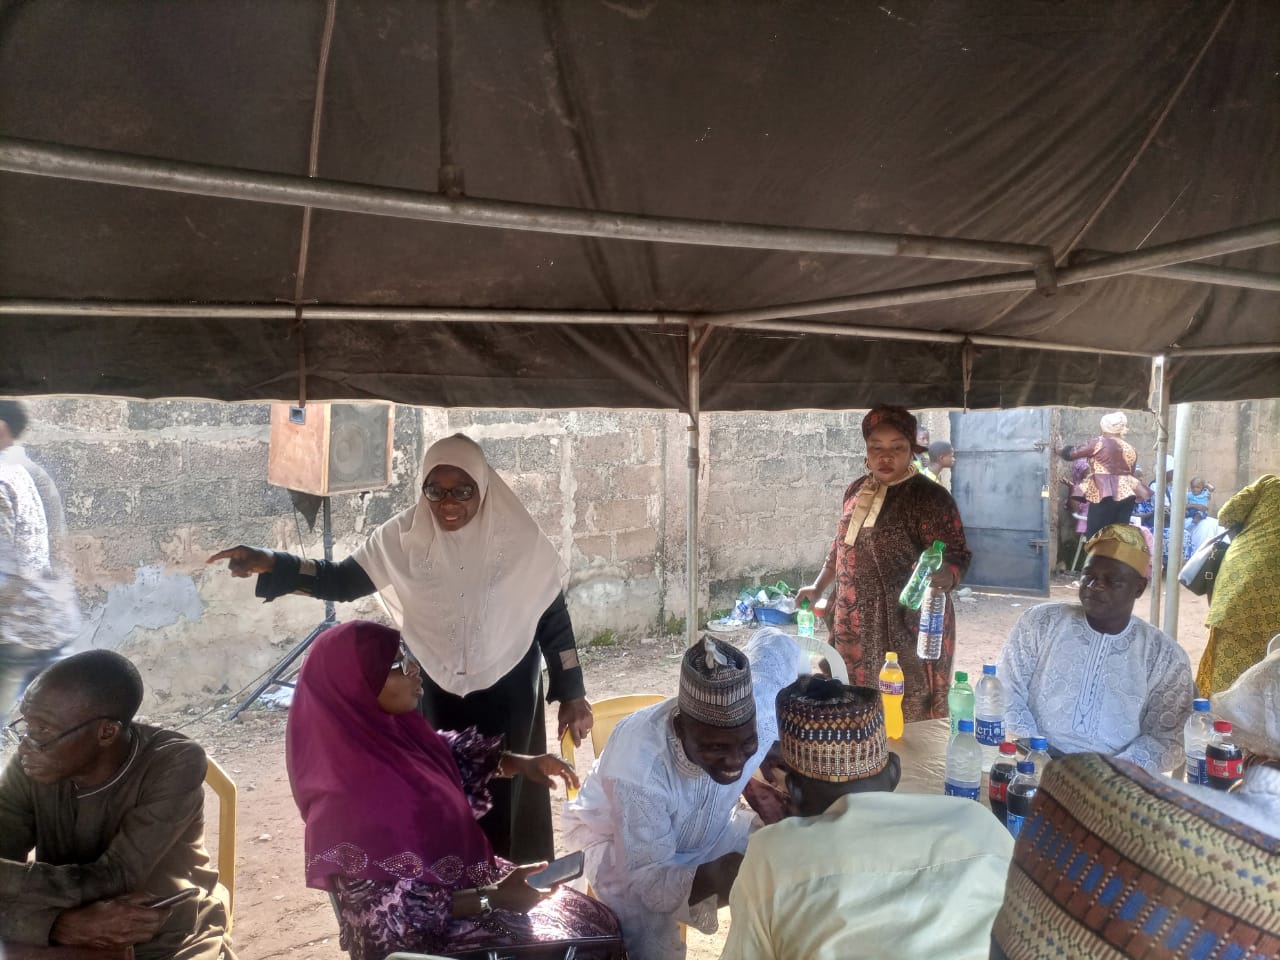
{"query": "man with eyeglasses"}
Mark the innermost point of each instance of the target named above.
(114, 812)
(1092, 677)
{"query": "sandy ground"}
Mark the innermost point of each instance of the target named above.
(276, 916)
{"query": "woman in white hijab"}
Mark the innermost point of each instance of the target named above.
(475, 588)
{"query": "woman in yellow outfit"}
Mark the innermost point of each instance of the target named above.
(1245, 610)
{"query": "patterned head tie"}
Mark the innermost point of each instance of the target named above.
(1113, 862)
(1123, 542)
(715, 684)
(900, 418)
(831, 731)
(1115, 423)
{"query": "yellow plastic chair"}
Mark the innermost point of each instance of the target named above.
(606, 714)
(225, 789)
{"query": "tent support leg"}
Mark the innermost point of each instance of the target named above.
(697, 336)
(1177, 515)
(1160, 388)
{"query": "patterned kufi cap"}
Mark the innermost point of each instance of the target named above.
(1115, 862)
(1252, 705)
(832, 731)
(715, 684)
(1123, 542)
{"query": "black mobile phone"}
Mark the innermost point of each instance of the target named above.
(559, 871)
(161, 902)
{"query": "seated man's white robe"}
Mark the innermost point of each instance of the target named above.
(1127, 694)
(647, 817)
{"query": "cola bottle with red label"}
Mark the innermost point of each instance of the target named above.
(1223, 760)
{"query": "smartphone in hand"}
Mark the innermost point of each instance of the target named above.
(181, 896)
(557, 871)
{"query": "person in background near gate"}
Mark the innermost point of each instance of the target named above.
(861, 871)
(1198, 498)
(922, 445)
(942, 456)
(39, 613)
(474, 586)
(390, 807)
(1110, 488)
(659, 817)
(114, 812)
(890, 516)
(1092, 676)
(1244, 612)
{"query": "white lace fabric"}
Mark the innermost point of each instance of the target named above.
(1126, 694)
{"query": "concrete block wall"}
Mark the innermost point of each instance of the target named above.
(152, 489)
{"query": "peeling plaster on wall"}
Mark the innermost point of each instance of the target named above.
(154, 600)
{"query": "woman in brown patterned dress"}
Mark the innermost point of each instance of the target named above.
(890, 516)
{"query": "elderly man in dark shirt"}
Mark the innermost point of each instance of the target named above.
(114, 811)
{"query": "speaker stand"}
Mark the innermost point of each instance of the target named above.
(284, 666)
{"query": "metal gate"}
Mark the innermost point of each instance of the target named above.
(1001, 484)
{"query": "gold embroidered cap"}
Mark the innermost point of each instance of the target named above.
(715, 684)
(832, 731)
(1123, 542)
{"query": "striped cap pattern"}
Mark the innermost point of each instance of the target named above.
(831, 731)
(719, 696)
(1116, 863)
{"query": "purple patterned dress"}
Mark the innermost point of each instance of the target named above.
(377, 918)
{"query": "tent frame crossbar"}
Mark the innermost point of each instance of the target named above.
(637, 318)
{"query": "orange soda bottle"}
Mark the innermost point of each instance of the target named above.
(891, 682)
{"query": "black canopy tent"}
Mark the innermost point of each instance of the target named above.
(682, 204)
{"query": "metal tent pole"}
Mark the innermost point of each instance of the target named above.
(1177, 515)
(1160, 386)
(175, 176)
(696, 337)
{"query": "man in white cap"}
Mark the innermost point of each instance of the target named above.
(1092, 677)
(658, 816)
(863, 872)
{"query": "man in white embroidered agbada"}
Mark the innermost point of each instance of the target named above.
(659, 815)
(1092, 677)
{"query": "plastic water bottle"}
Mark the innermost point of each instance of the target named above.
(804, 620)
(1021, 792)
(988, 718)
(964, 764)
(933, 612)
(891, 686)
(1223, 760)
(1002, 773)
(1039, 753)
(929, 563)
(1195, 738)
(960, 701)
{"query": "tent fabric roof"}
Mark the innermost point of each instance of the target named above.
(1084, 125)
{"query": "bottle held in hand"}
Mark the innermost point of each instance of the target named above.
(929, 563)
(933, 612)
(804, 620)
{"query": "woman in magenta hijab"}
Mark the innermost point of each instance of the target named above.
(390, 807)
